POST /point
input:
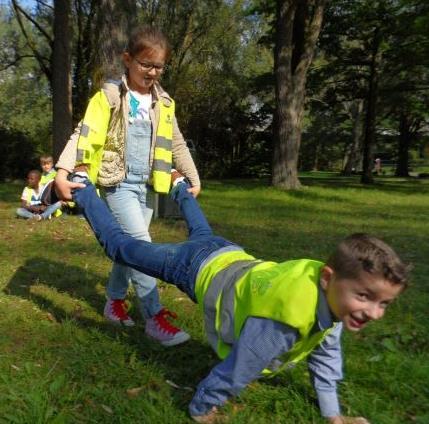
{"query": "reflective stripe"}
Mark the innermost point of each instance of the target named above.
(164, 143)
(161, 166)
(223, 283)
(84, 131)
(162, 154)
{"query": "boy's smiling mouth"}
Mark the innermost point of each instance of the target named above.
(357, 323)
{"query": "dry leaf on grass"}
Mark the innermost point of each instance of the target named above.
(132, 393)
(50, 317)
(107, 409)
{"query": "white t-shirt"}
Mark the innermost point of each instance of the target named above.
(140, 105)
(35, 196)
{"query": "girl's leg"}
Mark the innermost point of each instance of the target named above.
(195, 219)
(127, 203)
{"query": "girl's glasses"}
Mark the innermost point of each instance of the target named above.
(146, 66)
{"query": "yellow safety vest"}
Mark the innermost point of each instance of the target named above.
(48, 177)
(286, 292)
(93, 136)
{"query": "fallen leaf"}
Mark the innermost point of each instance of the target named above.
(132, 393)
(50, 317)
(107, 409)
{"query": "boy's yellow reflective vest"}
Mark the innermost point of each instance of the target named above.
(29, 193)
(286, 292)
(45, 178)
(93, 136)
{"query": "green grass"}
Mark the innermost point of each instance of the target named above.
(61, 363)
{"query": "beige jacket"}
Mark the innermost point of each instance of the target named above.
(113, 172)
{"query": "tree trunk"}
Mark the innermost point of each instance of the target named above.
(116, 21)
(61, 77)
(369, 139)
(298, 26)
(352, 156)
(403, 146)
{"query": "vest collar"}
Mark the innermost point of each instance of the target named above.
(158, 93)
(324, 316)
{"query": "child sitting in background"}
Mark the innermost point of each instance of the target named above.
(260, 317)
(32, 206)
(48, 170)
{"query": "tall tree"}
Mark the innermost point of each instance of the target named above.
(297, 27)
(54, 61)
(61, 77)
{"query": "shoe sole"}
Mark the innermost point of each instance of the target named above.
(120, 323)
(173, 342)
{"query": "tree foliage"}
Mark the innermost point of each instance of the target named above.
(242, 102)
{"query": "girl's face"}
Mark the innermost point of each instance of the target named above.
(144, 69)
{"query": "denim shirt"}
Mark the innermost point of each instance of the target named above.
(263, 340)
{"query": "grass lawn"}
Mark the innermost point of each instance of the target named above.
(62, 363)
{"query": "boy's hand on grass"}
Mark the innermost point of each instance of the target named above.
(212, 417)
(347, 420)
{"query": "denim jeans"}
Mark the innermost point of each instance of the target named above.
(175, 263)
(130, 203)
(25, 213)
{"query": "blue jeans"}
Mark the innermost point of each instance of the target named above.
(130, 203)
(25, 213)
(175, 263)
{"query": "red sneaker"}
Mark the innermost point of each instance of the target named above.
(159, 328)
(115, 310)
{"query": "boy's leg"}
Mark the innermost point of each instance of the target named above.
(146, 257)
(195, 219)
(50, 210)
(24, 213)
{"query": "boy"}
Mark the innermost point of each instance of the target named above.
(32, 205)
(260, 316)
(48, 170)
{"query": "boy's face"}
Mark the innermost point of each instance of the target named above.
(357, 302)
(46, 166)
(33, 180)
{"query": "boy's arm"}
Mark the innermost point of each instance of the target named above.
(261, 341)
(325, 365)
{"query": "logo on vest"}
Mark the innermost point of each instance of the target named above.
(260, 285)
(168, 119)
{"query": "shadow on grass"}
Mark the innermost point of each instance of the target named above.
(39, 281)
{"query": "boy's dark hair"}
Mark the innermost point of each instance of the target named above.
(147, 37)
(35, 172)
(364, 253)
(46, 159)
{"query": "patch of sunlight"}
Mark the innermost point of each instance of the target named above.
(74, 308)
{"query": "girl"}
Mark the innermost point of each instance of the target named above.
(127, 142)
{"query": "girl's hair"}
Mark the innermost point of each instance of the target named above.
(360, 253)
(147, 37)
